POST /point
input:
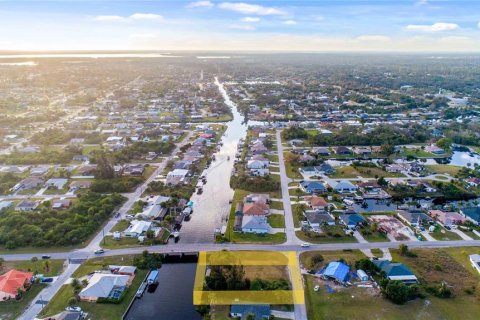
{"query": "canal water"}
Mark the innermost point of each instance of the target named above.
(211, 208)
(173, 297)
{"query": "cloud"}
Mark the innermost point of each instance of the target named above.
(146, 16)
(478, 25)
(143, 36)
(373, 37)
(109, 18)
(133, 17)
(290, 22)
(421, 2)
(250, 19)
(247, 8)
(242, 27)
(200, 4)
(436, 27)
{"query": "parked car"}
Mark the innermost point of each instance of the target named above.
(99, 251)
(305, 245)
(46, 257)
(46, 280)
(76, 309)
(316, 288)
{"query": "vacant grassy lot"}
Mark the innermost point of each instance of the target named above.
(54, 266)
(444, 168)
(278, 205)
(376, 237)
(350, 256)
(292, 171)
(325, 238)
(10, 310)
(266, 272)
(345, 172)
(358, 303)
(276, 220)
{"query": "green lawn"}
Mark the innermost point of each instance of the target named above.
(471, 234)
(444, 168)
(377, 253)
(345, 172)
(125, 242)
(365, 172)
(10, 310)
(121, 225)
(376, 237)
(278, 205)
(276, 220)
(441, 234)
(350, 256)
(275, 238)
(323, 238)
(55, 267)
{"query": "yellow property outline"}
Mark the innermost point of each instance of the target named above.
(248, 258)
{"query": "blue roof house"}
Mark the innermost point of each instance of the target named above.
(312, 187)
(396, 271)
(337, 271)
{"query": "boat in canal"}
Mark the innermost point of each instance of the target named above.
(152, 277)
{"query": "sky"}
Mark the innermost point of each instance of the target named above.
(302, 25)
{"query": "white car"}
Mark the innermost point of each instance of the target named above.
(316, 288)
(305, 245)
(76, 309)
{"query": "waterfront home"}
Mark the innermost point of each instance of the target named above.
(103, 285)
(137, 228)
(351, 221)
(344, 186)
(255, 209)
(316, 219)
(123, 270)
(472, 214)
(434, 149)
(255, 224)
(414, 218)
(312, 187)
(153, 208)
(178, 176)
(13, 281)
(475, 260)
(242, 311)
(447, 218)
(316, 203)
(396, 271)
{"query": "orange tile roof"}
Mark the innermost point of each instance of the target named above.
(255, 209)
(14, 279)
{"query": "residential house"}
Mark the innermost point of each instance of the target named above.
(255, 224)
(255, 209)
(473, 182)
(153, 208)
(11, 282)
(312, 187)
(344, 186)
(475, 260)
(257, 164)
(26, 205)
(243, 311)
(447, 218)
(337, 271)
(472, 214)
(56, 183)
(103, 285)
(28, 183)
(316, 203)
(352, 221)
(363, 151)
(434, 149)
(4, 204)
(178, 176)
(414, 218)
(396, 271)
(316, 219)
(80, 184)
(137, 228)
(343, 150)
(39, 170)
(134, 170)
(61, 204)
(323, 152)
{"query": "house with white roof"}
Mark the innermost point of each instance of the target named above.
(137, 228)
(103, 285)
(475, 260)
